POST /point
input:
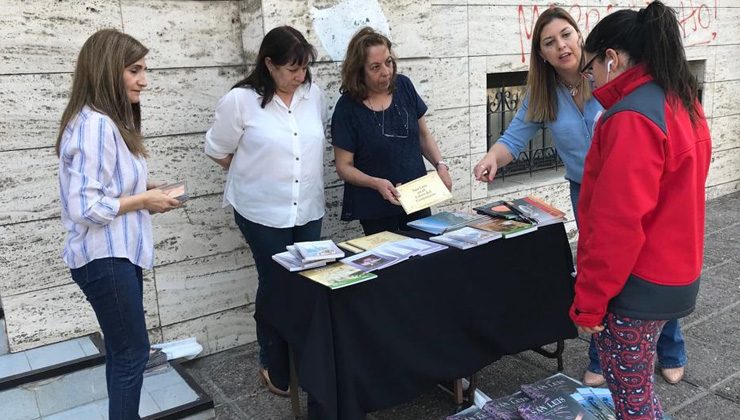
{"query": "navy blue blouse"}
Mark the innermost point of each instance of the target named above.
(385, 145)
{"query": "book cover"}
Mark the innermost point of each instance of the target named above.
(371, 260)
(444, 239)
(422, 193)
(535, 209)
(593, 404)
(473, 235)
(553, 386)
(506, 408)
(420, 246)
(175, 190)
(318, 250)
(498, 209)
(335, 276)
(291, 263)
(347, 247)
(471, 413)
(443, 221)
(371, 241)
(561, 407)
(508, 228)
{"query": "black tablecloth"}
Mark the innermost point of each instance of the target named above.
(433, 318)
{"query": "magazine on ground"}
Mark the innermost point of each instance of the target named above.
(508, 228)
(593, 404)
(444, 221)
(338, 275)
(558, 384)
(507, 408)
(318, 250)
(554, 408)
(472, 413)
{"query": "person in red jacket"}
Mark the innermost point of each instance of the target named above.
(642, 200)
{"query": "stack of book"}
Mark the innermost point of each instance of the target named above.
(466, 237)
(304, 255)
(556, 397)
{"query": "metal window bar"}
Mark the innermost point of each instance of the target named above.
(505, 91)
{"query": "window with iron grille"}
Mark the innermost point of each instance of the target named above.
(505, 92)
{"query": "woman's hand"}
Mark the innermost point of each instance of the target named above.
(387, 190)
(444, 175)
(156, 201)
(485, 169)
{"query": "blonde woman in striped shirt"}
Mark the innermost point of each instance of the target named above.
(106, 204)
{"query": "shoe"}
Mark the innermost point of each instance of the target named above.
(593, 379)
(265, 379)
(672, 375)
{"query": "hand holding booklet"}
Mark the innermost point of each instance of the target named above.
(422, 193)
(175, 190)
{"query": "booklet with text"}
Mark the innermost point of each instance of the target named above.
(422, 193)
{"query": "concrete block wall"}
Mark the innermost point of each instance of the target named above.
(204, 280)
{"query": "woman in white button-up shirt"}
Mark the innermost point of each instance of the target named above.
(269, 134)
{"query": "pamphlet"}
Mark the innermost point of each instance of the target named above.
(371, 241)
(318, 250)
(335, 276)
(175, 190)
(422, 193)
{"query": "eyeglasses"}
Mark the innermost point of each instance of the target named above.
(587, 70)
(402, 134)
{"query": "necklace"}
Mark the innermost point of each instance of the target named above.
(572, 88)
(381, 123)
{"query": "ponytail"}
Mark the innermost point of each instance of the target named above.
(652, 37)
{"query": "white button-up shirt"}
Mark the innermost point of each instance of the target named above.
(276, 175)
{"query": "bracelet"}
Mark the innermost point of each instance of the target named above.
(441, 162)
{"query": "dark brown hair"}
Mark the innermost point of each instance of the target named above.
(98, 83)
(353, 66)
(283, 45)
(542, 78)
(651, 36)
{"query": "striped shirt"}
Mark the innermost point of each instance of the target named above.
(95, 170)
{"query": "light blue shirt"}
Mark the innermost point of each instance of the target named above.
(96, 169)
(571, 131)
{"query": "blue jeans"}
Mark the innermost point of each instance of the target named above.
(265, 241)
(114, 288)
(671, 350)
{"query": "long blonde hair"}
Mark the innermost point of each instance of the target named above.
(542, 78)
(98, 83)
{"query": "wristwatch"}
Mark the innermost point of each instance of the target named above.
(441, 162)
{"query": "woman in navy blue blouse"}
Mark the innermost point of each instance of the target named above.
(379, 135)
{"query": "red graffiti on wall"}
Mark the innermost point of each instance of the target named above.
(696, 18)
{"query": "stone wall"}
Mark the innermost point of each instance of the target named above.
(204, 280)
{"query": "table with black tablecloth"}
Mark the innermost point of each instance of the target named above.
(429, 319)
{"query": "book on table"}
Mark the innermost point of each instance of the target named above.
(318, 250)
(508, 228)
(422, 193)
(293, 263)
(466, 237)
(443, 221)
(364, 243)
(537, 210)
(338, 275)
(420, 246)
(498, 209)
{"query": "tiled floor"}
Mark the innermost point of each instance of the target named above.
(82, 395)
(40, 357)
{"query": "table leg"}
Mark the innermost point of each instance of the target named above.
(294, 400)
(557, 354)
(457, 390)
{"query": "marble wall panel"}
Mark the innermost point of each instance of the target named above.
(46, 36)
(30, 257)
(422, 73)
(715, 191)
(216, 332)
(186, 33)
(332, 227)
(724, 167)
(460, 178)
(151, 304)
(28, 185)
(450, 82)
(202, 286)
(181, 158)
(725, 98)
(47, 316)
(180, 101)
(252, 28)
(450, 128)
(725, 133)
(478, 129)
(198, 229)
(506, 63)
(725, 67)
(30, 108)
(478, 189)
(449, 31)
(327, 75)
(477, 80)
